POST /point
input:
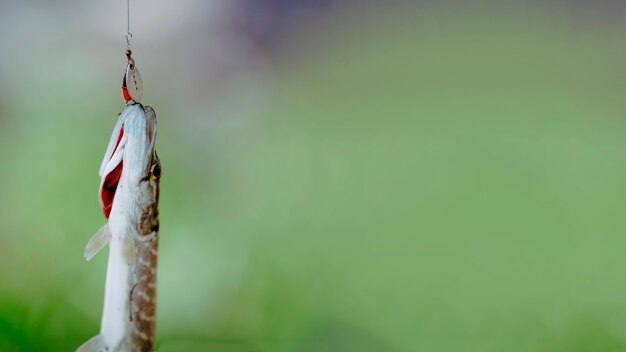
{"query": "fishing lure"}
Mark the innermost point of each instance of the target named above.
(129, 196)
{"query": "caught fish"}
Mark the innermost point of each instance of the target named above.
(129, 195)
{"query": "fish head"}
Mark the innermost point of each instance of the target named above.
(131, 169)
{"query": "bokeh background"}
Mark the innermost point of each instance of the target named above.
(338, 175)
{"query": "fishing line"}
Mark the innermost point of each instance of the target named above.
(129, 35)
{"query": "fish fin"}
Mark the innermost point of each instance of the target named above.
(128, 251)
(94, 344)
(97, 242)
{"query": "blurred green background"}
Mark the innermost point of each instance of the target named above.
(338, 175)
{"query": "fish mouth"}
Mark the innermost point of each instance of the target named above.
(110, 182)
(130, 153)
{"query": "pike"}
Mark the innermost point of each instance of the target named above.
(129, 195)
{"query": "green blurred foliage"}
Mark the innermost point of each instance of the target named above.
(434, 180)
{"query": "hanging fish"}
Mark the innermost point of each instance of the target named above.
(129, 196)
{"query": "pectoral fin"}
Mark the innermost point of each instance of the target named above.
(97, 242)
(94, 344)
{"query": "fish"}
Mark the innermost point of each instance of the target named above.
(129, 196)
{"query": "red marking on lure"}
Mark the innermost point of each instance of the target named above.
(125, 90)
(126, 95)
(111, 180)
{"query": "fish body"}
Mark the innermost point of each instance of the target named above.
(129, 194)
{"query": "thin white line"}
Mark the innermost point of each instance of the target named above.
(129, 35)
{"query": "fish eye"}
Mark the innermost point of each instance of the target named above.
(155, 171)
